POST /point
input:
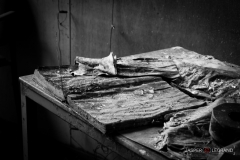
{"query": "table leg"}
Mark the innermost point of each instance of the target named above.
(24, 121)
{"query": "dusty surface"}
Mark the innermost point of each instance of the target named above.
(136, 105)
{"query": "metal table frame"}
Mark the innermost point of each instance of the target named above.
(118, 143)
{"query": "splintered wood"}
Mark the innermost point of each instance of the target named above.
(133, 105)
(114, 103)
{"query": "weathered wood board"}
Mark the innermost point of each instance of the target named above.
(135, 106)
(60, 82)
(115, 103)
(52, 79)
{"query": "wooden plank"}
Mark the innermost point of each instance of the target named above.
(139, 106)
(147, 66)
(54, 90)
(130, 66)
(63, 84)
(114, 103)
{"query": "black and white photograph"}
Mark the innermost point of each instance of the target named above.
(119, 79)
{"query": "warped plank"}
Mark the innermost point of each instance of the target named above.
(130, 67)
(133, 107)
(146, 66)
(61, 83)
(115, 103)
(53, 78)
(45, 76)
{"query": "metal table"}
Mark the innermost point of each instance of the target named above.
(119, 143)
